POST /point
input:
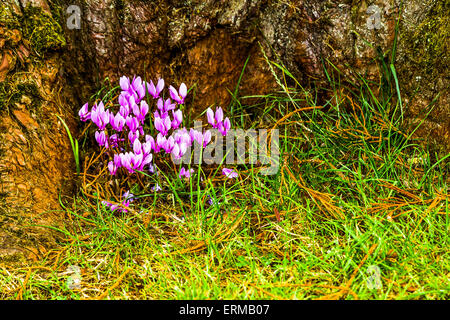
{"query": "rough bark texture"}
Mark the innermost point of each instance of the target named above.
(36, 160)
(207, 43)
(202, 43)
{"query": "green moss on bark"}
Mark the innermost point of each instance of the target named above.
(430, 40)
(42, 30)
(14, 91)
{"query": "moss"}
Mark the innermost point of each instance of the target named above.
(14, 91)
(8, 18)
(42, 30)
(430, 40)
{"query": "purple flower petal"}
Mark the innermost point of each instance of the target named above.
(229, 173)
(124, 83)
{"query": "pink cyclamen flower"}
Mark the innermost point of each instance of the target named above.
(179, 95)
(132, 136)
(185, 173)
(132, 123)
(215, 119)
(155, 90)
(127, 198)
(160, 141)
(112, 168)
(146, 159)
(194, 135)
(210, 116)
(182, 136)
(84, 113)
(164, 107)
(177, 119)
(131, 161)
(138, 88)
(117, 122)
(159, 124)
(150, 142)
(114, 140)
(101, 139)
(163, 125)
(179, 149)
(124, 83)
(168, 144)
(123, 99)
(224, 127)
(124, 111)
(206, 138)
(143, 110)
(219, 115)
(230, 173)
(137, 146)
(99, 116)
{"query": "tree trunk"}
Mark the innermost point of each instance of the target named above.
(36, 161)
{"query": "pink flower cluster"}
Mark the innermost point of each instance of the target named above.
(136, 149)
(216, 120)
(123, 133)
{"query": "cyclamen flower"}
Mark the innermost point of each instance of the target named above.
(114, 140)
(112, 207)
(132, 136)
(160, 141)
(217, 121)
(179, 149)
(168, 144)
(127, 196)
(194, 134)
(112, 168)
(202, 138)
(177, 118)
(179, 95)
(155, 91)
(214, 119)
(124, 83)
(163, 125)
(84, 113)
(132, 123)
(182, 136)
(229, 173)
(206, 138)
(150, 142)
(117, 122)
(224, 127)
(143, 110)
(124, 110)
(163, 108)
(101, 139)
(99, 116)
(137, 146)
(139, 87)
(131, 161)
(185, 173)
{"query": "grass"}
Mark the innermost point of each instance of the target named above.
(353, 192)
(73, 144)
